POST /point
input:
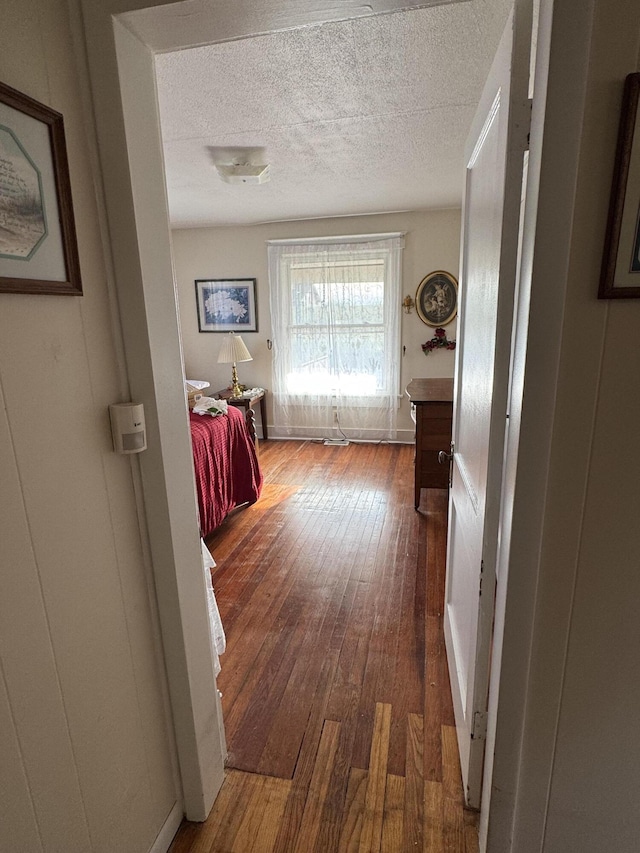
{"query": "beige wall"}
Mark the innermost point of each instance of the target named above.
(85, 757)
(431, 242)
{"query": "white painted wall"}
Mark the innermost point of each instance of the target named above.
(432, 242)
(567, 780)
(594, 497)
(85, 745)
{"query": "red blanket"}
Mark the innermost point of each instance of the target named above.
(226, 466)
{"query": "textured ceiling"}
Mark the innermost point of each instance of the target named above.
(361, 116)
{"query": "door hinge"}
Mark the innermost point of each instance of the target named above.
(479, 728)
(481, 575)
(529, 125)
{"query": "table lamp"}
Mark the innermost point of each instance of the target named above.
(233, 349)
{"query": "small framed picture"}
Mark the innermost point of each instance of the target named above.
(38, 248)
(620, 273)
(226, 305)
(437, 298)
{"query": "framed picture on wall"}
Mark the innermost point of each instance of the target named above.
(38, 248)
(620, 274)
(226, 305)
(437, 298)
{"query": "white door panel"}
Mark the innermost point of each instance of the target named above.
(494, 161)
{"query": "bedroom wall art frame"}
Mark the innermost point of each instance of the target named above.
(38, 245)
(437, 298)
(620, 273)
(226, 305)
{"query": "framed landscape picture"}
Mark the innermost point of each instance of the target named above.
(38, 249)
(226, 305)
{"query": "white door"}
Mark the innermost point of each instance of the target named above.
(490, 222)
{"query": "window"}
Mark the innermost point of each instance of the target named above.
(335, 317)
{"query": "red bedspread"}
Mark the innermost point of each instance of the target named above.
(226, 466)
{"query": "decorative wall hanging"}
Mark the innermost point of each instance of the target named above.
(620, 274)
(437, 298)
(38, 248)
(226, 305)
(438, 341)
(407, 304)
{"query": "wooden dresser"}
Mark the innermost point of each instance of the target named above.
(432, 410)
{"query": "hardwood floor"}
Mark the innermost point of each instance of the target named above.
(334, 684)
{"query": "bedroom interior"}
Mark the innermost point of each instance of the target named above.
(271, 676)
(109, 731)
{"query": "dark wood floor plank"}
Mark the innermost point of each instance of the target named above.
(287, 731)
(337, 793)
(280, 594)
(305, 764)
(310, 824)
(373, 687)
(407, 680)
(388, 574)
(264, 707)
(357, 636)
(348, 692)
(320, 626)
(436, 511)
(434, 675)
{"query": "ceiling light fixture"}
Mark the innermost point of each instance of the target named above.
(244, 173)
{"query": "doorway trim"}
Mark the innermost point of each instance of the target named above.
(123, 94)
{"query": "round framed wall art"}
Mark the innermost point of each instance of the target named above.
(437, 298)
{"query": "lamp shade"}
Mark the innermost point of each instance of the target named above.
(233, 349)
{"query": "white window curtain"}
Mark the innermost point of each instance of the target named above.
(335, 313)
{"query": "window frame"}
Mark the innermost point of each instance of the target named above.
(375, 254)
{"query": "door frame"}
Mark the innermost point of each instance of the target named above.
(512, 91)
(519, 752)
(137, 241)
(137, 225)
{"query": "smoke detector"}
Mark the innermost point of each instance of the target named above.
(244, 173)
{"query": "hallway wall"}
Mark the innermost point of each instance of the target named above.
(85, 745)
(592, 796)
(575, 545)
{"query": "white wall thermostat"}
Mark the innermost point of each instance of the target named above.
(128, 427)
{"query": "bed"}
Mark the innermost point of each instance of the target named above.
(226, 466)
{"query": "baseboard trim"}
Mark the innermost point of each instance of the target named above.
(403, 436)
(169, 829)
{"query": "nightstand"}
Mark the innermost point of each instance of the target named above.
(248, 401)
